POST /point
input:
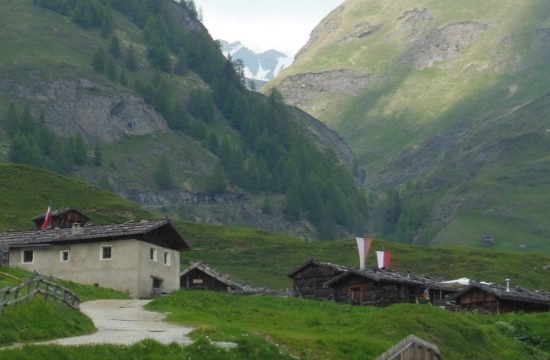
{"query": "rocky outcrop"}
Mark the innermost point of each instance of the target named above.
(325, 137)
(330, 24)
(303, 90)
(414, 22)
(78, 105)
(220, 209)
(360, 31)
(447, 43)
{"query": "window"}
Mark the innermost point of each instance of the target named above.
(197, 281)
(64, 255)
(27, 257)
(105, 252)
(153, 254)
(167, 258)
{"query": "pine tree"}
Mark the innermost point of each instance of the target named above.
(98, 61)
(163, 175)
(98, 155)
(114, 48)
(130, 60)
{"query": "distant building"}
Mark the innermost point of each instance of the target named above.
(309, 278)
(199, 276)
(491, 298)
(141, 258)
(488, 241)
(63, 218)
(374, 287)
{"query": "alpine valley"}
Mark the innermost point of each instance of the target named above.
(447, 107)
(135, 97)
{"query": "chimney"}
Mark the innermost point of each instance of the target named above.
(76, 229)
(507, 285)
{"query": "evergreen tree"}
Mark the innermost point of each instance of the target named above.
(99, 60)
(130, 60)
(215, 184)
(181, 63)
(78, 150)
(114, 48)
(98, 155)
(163, 174)
(111, 70)
(122, 77)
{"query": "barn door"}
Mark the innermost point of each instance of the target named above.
(355, 296)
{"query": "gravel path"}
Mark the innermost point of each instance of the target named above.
(126, 322)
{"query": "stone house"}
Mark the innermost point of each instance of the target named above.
(140, 258)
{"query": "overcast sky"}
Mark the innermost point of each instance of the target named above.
(265, 24)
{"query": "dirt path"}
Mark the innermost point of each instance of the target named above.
(125, 322)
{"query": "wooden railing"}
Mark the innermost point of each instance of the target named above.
(38, 286)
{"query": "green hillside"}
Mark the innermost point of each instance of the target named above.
(445, 101)
(138, 99)
(27, 192)
(265, 259)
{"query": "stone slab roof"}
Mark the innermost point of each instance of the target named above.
(160, 232)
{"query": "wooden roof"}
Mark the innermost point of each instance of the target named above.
(515, 294)
(313, 262)
(389, 276)
(161, 233)
(213, 274)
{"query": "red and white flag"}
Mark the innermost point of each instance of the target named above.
(363, 246)
(47, 220)
(384, 259)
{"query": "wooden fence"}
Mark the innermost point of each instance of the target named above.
(38, 286)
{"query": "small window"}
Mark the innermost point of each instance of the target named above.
(105, 252)
(64, 255)
(167, 258)
(197, 281)
(153, 254)
(27, 257)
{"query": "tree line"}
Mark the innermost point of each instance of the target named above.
(33, 144)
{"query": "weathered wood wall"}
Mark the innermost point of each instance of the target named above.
(198, 280)
(364, 292)
(485, 302)
(308, 283)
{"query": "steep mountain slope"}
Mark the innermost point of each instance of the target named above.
(264, 66)
(134, 96)
(447, 102)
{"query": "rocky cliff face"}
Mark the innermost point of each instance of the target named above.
(79, 105)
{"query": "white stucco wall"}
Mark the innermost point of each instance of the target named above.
(129, 270)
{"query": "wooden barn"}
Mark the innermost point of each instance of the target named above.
(308, 279)
(199, 276)
(374, 287)
(62, 218)
(491, 298)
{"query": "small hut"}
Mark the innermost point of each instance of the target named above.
(62, 218)
(308, 279)
(412, 348)
(200, 276)
(492, 298)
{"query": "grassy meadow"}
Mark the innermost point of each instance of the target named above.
(322, 330)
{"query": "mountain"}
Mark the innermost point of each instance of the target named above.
(262, 67)
(446, 105)
(135, 97)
